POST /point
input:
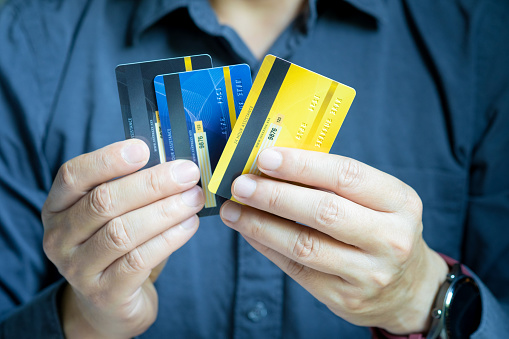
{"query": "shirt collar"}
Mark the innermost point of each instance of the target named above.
(149, 12)
(374, 8)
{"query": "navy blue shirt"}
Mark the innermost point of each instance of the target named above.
(432, 109)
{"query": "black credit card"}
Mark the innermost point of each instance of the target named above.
(138, 99)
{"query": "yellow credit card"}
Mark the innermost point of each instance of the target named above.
(288, 106)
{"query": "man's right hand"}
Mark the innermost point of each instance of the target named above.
(110, 237)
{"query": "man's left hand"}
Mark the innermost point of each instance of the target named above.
(348, 233)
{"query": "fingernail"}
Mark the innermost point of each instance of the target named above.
(186, 172)
(231, 211)
(270, 160)
(193, 197)
(189, 224)
(244, 187)
(135, 153)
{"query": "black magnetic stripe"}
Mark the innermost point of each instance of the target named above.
(139, 111)
(136, 97)
(177, 116)
(201, 62)
(123, 95)
(254, 125)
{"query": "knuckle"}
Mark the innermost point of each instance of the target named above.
(134, 262)
(49, 243)
(103, 160)
(295, 269)
(167, 209)
(61, 256)
(117, 236)
(305, 167)
(46, 214)
(258, 228)
(67, 175)
(100, 200)
(354, 304)
(276, 199)
(306, 246)
(348, 173)
(402, 249)
(412, 202)
(382, 279)
(155, 182)
(329, 211)
(168, 239)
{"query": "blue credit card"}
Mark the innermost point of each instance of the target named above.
(197, 112)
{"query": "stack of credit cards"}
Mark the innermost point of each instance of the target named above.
(185, 109)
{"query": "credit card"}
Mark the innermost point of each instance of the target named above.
(138, 100)
(288, 106)
(197, 112)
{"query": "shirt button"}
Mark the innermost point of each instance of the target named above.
(258, 312)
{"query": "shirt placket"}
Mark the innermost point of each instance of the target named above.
(259, 286)
(258, 305)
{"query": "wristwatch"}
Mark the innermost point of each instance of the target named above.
(457, 309)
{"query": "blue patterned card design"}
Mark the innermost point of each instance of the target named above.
(197, 112)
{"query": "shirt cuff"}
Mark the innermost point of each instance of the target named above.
(494, 319)
(378, 333)
(37, 319)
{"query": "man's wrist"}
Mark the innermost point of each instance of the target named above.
(381, 333)
(74, 325)
(421, 304)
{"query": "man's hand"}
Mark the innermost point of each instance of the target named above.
(362, 253)
(110, 237)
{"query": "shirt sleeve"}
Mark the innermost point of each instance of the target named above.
(27, 86)
(494, 323)
(38, 318)
(486, 237)
(493, 320)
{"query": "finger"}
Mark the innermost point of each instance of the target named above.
(128, 231)
(299, 243)
(327, 288)
(115, 198)
(129, 272)
(79, 175)
(346, 177)
(327, 212)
